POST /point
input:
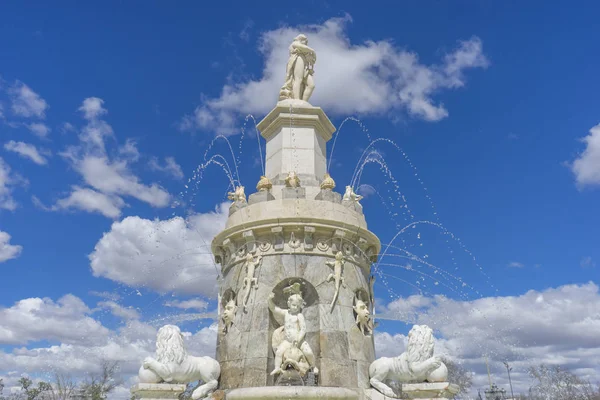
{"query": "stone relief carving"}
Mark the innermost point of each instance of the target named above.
(309, 239)
(229, 310)
(173, 365)
(238, 195)
(289, 346)
(249, 280)
(363, 315)
(299, 83)
(264, 184)
(292, 180)
(372, 296)
(336, 276)
(417, 364)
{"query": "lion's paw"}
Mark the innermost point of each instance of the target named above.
(147, 362)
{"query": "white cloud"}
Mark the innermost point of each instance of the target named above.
(197, 304)
(118, 310)
(90, 200)
(373, 77)
(92, 108)
(170, 167)
(7, 181)
(39, 129)
(35, 319)
(82, 343)
(8, 251)
(515, 264)
(169, 255)
(110, 177)
(27, 151)
(586, 166)
(554, 326)
(26, 102)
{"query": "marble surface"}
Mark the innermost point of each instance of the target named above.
(157, 391)
(292, 392)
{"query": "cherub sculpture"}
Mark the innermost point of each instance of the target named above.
(174, 365)
(289, 337)
(237, 196)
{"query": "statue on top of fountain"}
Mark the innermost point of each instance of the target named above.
(299, 82)
(291, 350)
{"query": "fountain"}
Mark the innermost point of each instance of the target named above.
(296, 294)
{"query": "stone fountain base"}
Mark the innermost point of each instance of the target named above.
(423, 391)
(292, 392)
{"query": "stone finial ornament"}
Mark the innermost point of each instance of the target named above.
(250, 264)
(328, 182)
(174, 365)
(417, 364)
(264, 184)
(237, 196)
(292, 180)
(289, 346)
(336, 275)
(299, 82)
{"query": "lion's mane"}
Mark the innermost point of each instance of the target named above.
(170, 348)
(420, 344)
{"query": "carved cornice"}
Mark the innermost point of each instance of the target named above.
(359, 246)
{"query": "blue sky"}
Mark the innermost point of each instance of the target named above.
(102, 123)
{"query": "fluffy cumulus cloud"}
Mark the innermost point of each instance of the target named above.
(554, 326)
(26, 150)
(586, 166)
(34, 319)
(8, 251)
(80, 343)
(373, 77)
(109, 176)
(162, 255)
(25, 102)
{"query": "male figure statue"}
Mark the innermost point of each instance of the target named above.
(293, 331)
(299, 83)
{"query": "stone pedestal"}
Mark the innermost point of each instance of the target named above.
(157, 391)
(258, 197)
(296, 137)
(423, 391)
(329, 195)
(293, 193)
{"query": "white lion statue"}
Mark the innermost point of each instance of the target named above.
(174, 365)
(417, 364)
